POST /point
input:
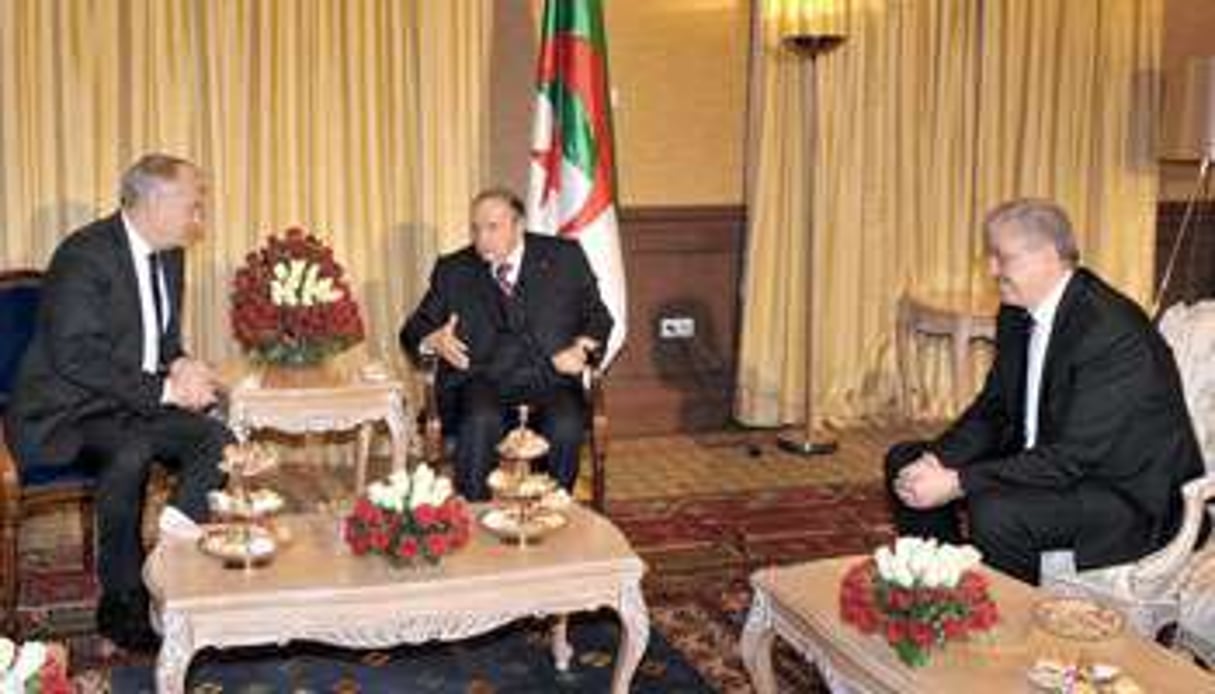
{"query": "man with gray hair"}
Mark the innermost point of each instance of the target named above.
(105, 382)
(1080, 438)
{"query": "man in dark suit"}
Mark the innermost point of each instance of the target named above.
(515, 319)
(1079, 439)
(105, 380)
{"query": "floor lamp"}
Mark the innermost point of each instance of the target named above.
(810, 47)
(1198, 133)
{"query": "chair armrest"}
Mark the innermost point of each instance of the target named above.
(432, 423)
(1161, 571)
(10, 483)
(597, 406)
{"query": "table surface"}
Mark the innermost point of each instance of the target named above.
(316, 589)
(318, 562)
(998, 662)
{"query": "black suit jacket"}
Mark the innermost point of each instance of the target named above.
(85, 359)
(1112, 422)
(556, 298)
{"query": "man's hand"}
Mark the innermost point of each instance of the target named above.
(573, 360)
(927, 483)
(192, 384)
(444, 343)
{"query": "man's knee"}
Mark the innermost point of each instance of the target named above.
(901, 455)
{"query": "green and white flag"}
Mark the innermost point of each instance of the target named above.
(573, 173)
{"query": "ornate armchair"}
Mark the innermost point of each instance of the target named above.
(438, 449)
(31, 489)
(1149, 590)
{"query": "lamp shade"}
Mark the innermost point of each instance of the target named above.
(1197, 137)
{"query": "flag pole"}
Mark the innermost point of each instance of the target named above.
(810, 441)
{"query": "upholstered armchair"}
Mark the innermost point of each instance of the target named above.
(1149, 590)
(31, 489)
(437, 448)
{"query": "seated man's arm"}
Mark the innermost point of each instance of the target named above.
(1112, 382)
(978, 432)
(596, 319)
(78, 314)
(430, 315)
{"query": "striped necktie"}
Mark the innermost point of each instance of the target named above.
(502, 277)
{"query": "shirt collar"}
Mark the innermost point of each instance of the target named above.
(139, 245)
(1044, 312)
(515, 259)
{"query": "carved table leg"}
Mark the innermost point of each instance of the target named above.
(562, 650)
(360, 461)
(397, 429)
(756, 644)
(635, 635)
(176, 650)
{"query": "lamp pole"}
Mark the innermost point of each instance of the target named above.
(810, 47)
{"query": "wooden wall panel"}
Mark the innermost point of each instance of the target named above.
(1194, 273)
(681, 262)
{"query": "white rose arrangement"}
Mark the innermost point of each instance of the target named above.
(917, 562)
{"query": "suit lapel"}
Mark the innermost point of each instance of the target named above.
(127, 299)
(1014, 350)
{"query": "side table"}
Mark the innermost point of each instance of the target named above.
(339, 403)
(800, 603)
(955, 316)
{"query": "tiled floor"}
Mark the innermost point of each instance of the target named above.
(748, 461)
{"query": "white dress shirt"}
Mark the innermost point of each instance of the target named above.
(1043, 316)
(140, 250)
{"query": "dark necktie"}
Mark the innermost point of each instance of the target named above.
(157, 299)
(502, 276)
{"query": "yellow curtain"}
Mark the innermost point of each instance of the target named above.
(930, 112)
(1070, 94)
(363, 121)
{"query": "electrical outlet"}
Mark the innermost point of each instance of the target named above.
(677, 328)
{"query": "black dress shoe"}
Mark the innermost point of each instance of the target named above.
(123, 619)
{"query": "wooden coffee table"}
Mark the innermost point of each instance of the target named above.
(801, 604)
(316, 590)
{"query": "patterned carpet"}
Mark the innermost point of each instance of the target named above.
(704, 512)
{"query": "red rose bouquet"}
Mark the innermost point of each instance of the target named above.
(410, 518)
(918, 596)
(291, 303)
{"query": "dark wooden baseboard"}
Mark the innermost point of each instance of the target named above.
(682, 262)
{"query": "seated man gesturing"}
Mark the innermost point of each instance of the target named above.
(514, 318)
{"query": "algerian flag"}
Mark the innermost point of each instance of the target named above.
(573, 186)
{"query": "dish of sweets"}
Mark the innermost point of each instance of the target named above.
(1078, 619)
(238, 544)
(506, 523)
(1059, 677)
(260, 502)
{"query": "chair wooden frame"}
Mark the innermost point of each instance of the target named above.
(18, 502)
(596, 426)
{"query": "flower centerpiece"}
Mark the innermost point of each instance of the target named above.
(917, 596)
(291, 304)
(409, 517)
(33, 667)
